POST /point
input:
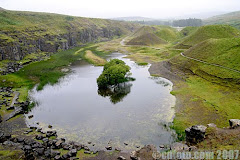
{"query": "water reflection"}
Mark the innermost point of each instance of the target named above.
(116, 93)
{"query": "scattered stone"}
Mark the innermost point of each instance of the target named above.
(17, 111)
(193, 148)
(86, 148)
(65, 70)
(57, 157)
(134, 157)
(117, 149)
(31, 116)
(2, 137)
(211, 125)
(234, 123)
(20, 140)
(179, 147)
(49, 126)
(65, 156)
(121, 158)
(195, 134)
(73, 152)
(161, 146)
(28, 131)
(109, 147)
(65, 146)
(51, 133)
(39, 137)
(10, 108)
(40, 151)
(125, 143)
(87, 152)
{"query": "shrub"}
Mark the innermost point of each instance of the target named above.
(114, 72)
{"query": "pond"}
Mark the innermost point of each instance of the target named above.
(135, 113)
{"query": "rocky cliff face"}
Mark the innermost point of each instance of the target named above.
(26, 44)
(50, 33)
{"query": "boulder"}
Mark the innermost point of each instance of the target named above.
(195, 134)
(179, 147)
(109, 147)
(234, 123)
(2, 137)
(121, 158)
(18, 110)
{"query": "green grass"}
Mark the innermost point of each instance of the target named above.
(205, 102)
(207, 32)
(223, 52)
(9, 154)
(142, 63)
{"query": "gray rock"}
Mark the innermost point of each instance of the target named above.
(234, 123)
(121, 158)
(108, 148)
(57, 157)
(212, 125)
(18, 110)
(87, 152)
(179, 147)
(195, 134)
(133, 157)
(2, 137)
(40, 151)
(73, 152)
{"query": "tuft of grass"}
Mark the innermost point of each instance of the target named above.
(142, 63)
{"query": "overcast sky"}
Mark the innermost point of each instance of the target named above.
(124, 8)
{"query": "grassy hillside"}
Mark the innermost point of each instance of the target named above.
(52, 23)
(207, 32)
(152, 36)
(232, 19)
(225, 52)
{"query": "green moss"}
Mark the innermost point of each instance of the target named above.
(10, 154)
(81, 155)
(142, 63)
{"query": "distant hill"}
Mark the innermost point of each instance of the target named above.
(1, 9)
(207, 32)
(232, 19)
(137, 18)
(153, 35)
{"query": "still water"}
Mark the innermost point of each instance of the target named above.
(135, 113)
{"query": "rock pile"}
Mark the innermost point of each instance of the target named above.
(11, 68)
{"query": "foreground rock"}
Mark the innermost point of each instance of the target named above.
(195, 134)
(234, 123)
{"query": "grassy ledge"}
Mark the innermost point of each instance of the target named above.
(94, 59)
